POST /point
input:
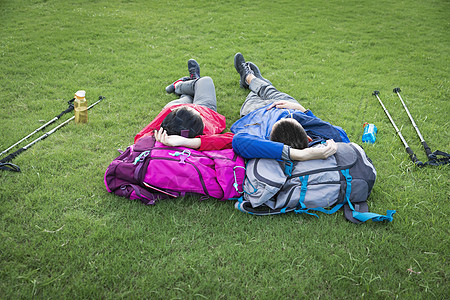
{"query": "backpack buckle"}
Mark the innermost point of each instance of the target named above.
(184, 155)
(141, 157)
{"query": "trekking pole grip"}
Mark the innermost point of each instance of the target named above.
(414, 157)
(375, 93)
(11, 156)
(427, 149)
(397, 90)
(69, 109)
(64, 112)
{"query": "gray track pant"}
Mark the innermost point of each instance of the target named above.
(262, 93)
(200, 91)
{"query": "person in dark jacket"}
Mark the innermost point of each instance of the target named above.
(275, 125)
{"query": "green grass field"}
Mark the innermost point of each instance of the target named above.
(63, 236)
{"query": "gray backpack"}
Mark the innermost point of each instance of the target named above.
(344, 179)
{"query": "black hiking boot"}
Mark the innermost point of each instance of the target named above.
(194, 69)
(257, 72)
(242, 68)
(171, 88)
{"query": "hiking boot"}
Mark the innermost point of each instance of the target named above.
(257, 72)
(242, 68)
(194, 69)
(171, 88)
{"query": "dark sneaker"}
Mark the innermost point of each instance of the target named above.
(242, 68)
(171, 88)
(194, 69)
(257, 72)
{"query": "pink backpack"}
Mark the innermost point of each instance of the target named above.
(150, 171)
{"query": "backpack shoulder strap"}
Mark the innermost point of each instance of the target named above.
(363, 214)
(356, 213)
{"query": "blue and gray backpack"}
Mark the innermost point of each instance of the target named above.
(344, 179)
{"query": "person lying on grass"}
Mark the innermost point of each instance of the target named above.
(191, 120)
(275, 125)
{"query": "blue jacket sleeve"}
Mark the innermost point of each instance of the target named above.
(251, 146)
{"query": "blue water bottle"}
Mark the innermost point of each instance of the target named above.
(370, 133)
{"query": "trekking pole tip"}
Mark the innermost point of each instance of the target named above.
(375, 93)
(397, 90)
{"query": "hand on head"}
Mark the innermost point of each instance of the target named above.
(168, 140)
(329, 149)
(174, 140)
(161, 136)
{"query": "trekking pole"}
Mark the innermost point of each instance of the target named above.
(407, 148)
(4, 163)
(432, 156)
(425, 146)
(70, 102)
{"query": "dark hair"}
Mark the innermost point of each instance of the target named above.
(182, 119)
(290, 133)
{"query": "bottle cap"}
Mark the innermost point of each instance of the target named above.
(80, 94)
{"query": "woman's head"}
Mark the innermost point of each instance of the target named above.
(289, 132)
(183, 119)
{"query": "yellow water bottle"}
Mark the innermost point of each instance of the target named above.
(80, 107)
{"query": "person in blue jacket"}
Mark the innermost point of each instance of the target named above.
(275, 125)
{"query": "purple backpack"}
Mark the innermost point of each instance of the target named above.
(150, 171)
